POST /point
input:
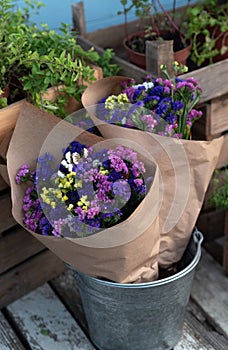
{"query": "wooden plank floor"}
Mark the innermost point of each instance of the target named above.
(51, 317)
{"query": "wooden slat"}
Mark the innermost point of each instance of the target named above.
(223, 157)
(66, 288)
(219, 114)
(127, 69)
(29, 275)
(8, 339)
(6, 219)
(8, 117)
(78, 16)
(211, 223)
(45, 322)
(210, 290)
(198, 324)
(17, 246)
(190, 341)
(3, 185)
(217, 73)
(215, 249)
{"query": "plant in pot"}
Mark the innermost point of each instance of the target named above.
(207, 27)
(162, 26)
(219, 197)
(34, 59)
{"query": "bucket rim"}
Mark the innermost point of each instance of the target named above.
(197, 237)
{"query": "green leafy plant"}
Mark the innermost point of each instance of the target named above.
(207, 24)
(219, 197)
(33, 59)
(163, 25)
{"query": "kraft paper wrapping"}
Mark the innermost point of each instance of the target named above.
(125, 253)
(185, 166)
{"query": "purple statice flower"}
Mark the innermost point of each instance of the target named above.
(57, 227)
(121, 189)
(117, 163)
(81, 213)
(150, 122)
(130, 92)
(24, 174)
(177, 105)
(194, 114)
(185, 84)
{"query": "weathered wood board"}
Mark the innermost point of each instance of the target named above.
(45, 322)
(28, 275)
(210, 292)
(8, 339)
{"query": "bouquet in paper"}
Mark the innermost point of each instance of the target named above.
(158, 114)
(84, 197)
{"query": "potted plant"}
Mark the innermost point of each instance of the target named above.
(34, 59)
(219, 197)
(207, 27)
(162, 26)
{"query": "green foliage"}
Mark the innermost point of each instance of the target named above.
(105, 61)
(41, 58)
(160, 19)
(205, 18)
(219, 198)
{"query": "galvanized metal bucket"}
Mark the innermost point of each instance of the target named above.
(146, 316)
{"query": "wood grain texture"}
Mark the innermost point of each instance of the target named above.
(16, 246)
(8, 118)
(6, 219)
(219, 114)
(211, 223)
(210, 290)
(3, 185)
(216, 72)
(223, 157)
(45, 322)
(8, 339)
(29, 275)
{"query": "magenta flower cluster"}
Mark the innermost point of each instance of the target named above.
(89, 191)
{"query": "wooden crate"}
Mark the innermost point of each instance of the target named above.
(25, 263)
(9, 114)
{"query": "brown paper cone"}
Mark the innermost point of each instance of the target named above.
(185, 167)
(126, 252)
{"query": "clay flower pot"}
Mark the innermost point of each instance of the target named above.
(139, 59)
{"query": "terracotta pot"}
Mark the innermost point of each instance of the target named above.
(139, 59)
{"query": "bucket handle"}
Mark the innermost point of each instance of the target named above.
(197, 237)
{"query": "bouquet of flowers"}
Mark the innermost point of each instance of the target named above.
(156, 102)
(84, 197)
(89, 192)
(149, 113)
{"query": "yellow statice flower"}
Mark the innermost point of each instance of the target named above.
(103, 171)
(83, 203)
(112, 101)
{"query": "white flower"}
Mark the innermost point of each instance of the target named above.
(68, 157)
(60, 174)
(64, 163)
(148, 85)
(75, 157)
(85, 152)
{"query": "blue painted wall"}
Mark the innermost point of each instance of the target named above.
(98, 13)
